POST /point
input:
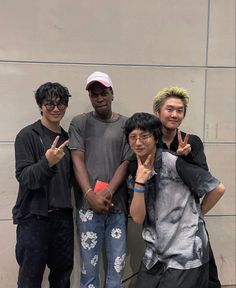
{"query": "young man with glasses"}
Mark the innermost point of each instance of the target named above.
(43, 209)
(166, 191)
(170, 106)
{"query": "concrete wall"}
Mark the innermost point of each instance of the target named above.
(144, 46)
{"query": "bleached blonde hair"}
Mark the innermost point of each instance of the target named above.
(176, 92)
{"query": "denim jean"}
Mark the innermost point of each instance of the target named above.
(96, 230)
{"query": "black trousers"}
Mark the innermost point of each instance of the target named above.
(158, 277)
(45, 241)
(214, 281)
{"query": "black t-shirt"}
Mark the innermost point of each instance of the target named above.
(196, 156)
(59, 190)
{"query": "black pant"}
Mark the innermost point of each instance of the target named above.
(45, 241)
(214, 281)
(158, 277)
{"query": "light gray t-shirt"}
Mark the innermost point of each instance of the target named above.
(105, 148)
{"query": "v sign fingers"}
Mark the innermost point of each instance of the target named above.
(144, 170)
(63, 145)
(139, 160)
(182, 143)
(186, 139)
(184, 148)
(54, 144)
(180, 140)
(148, 162)
(53, 154)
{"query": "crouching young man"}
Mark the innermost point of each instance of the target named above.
(166, 192)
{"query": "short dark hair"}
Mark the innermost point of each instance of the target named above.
(50, 91)
(143, 121)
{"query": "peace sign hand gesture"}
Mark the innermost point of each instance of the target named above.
(184, 148)
(144, 171)
(54, 154)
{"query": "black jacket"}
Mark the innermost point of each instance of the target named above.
(32, 172)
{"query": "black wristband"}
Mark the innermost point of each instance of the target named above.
(139, 183)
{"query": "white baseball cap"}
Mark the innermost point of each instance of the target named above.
(100, 77)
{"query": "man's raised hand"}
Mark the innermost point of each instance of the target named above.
(184, 148)
(54, 154)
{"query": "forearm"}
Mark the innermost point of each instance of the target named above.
(32, 172)
(80, 172)
(34, 175)
(98, 202)
(137, 207)
(143, 174)
(118, 177)
(211, 198)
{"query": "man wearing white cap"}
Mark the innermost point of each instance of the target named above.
(100, 156)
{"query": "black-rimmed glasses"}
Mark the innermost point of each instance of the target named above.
(51, 106)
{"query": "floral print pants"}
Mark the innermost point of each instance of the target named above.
(96, 231)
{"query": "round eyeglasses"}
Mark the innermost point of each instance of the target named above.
(51, 106)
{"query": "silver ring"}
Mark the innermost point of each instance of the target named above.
(145, 165)
(58, 149)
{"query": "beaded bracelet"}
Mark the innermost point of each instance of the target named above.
(139, 190)
(139, 183)
(86, 193)
(109, 190)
